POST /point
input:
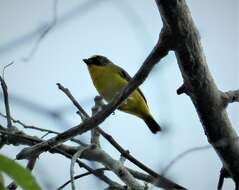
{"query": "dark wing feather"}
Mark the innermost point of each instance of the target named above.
(125, 75)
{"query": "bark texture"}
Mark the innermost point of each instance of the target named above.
(199, 83)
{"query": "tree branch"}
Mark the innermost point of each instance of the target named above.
(19, 138)
(6, 102)
(92, 154)
(159, 180)
(46, 30)
(223, 174)
(181, 155)
(199, 83)
(95, 133)
(16, 137)
(98, 155)
(41, 129)
(231, 96)
(136, 174)
(73, 161)
(159, 51)
(80, 176)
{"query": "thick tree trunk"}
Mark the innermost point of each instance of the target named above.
(199, 84)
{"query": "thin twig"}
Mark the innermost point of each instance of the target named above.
(183, 154)
(117, 166)
(80, 176)
(21, 138)
(55, 114)
(99, 155)
(17, 137)
(73, 100)
(41, 129)
(4, 69)
(95, 134)
(136, 174)
(73, 161)
(161, 181)
(80, 9)
(160, 50)
(6, 102)
(46, 30)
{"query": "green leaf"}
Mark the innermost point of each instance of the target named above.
(19, 174)
(1, 182)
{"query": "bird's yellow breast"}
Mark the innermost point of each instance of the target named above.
(106, 81)
(109, 82)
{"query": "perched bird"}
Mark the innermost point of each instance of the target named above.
(109, 79)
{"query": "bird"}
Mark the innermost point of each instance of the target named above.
(109, 79)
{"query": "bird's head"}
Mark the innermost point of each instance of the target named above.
(97, 60)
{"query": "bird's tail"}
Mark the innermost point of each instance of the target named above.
(152, 124)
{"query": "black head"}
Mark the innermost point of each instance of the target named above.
(97, 60)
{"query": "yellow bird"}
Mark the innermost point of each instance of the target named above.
(109, 79)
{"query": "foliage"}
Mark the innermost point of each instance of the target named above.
(19, 174)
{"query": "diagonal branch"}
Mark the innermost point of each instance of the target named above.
(99, 155)
(153, 178)
(181, 155)
(46, 30)
(6, 102)
(160, 50)
(48, 131)
(95, 133)
(80, 176)
(80, 9)
(17, 137)
(159, 180)
(73, 161)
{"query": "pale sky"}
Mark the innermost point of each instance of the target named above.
(125, 32)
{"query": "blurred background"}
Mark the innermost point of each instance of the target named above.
(47, 41)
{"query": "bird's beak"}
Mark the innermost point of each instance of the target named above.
(87, 61)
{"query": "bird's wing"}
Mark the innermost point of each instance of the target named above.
(125, 75)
